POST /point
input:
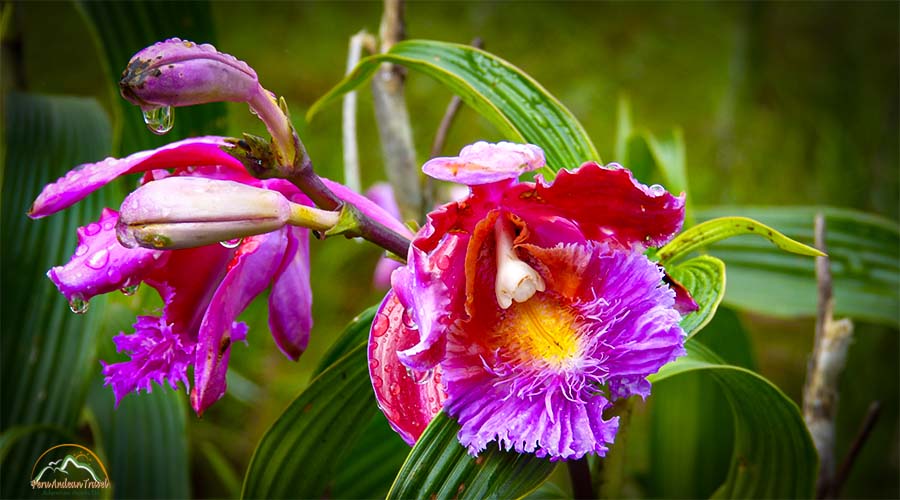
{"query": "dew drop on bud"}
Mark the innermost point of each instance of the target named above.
(159, 120)
(78, 305)
(231, 243)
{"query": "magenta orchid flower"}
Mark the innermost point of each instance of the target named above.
(527, 308)
(204, 289)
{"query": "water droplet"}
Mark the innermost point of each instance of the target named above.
(443, 262)
(159, 120)
(420, 377)
(395, 388)
(128, 289)
(99, 259)
(114, 275)
(380, 325)
(108, 225)
(373, 364)
(81, 250)
(657, 190)
(92, 229)
(231, 243)
(408, 320)
(377, 382)
(78, 305)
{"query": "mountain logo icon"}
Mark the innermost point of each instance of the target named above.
(71, 468)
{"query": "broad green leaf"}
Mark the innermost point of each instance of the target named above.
(864, 264)
(48, 353)
(711, 231)
(704, 277)
(369, 468)
(143, 440)
(773, 454)
(124, 28)
(439, 467)
(298, 455)
(514, 102)
(357, 333)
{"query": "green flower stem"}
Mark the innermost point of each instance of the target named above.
(313, 218)
(353, 223)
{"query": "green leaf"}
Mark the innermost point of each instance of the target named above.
(48, 353)
(669, 155)
(124, 28)
(357, 333)
(514, 102)
(711, 231)
(298, 455)
(773, 454)
(704, 277)
(439, 467)
(864, 265)
(369, 468)
(144, 440)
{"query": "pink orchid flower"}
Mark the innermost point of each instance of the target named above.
(204, 289)
(527, 308)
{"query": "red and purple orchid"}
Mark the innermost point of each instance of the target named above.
(527, 308)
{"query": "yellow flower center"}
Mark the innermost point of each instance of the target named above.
(540, 329)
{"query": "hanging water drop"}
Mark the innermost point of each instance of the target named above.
(159, 120)
(231, 243)
(129, 290)
(78, 305)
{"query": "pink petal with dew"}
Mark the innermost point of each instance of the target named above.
(408, 399)
(101, 264)
(85, 179)
(249, 273)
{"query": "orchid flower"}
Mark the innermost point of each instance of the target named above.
(193, 194)
(527, 308)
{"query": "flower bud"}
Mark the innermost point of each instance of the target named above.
(183, 212)
(182, 73)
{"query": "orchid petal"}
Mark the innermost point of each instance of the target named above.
(85, 179)
(249, 273)
(290, 301)
(100, 264)
(607, 204)
(408, 405)
(484, 163)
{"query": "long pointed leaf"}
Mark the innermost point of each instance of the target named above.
(514, 102)
(862, 248)
(773, 453)
(439, 467)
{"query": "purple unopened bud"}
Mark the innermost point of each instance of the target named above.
(183, 212)
(181, 73)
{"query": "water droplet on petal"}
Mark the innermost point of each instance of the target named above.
(231, 243)
(420, 377)
(443, 262)
(92, 229)
(159, 120)
(114, 275)
(130, 290)
(78, 305)
(657, 190)
(380, 325)
(99, 259)
(395, 388)
(408, 320)
(377, 382)
(373, 364)
(81, 250)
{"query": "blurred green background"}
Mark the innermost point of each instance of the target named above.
(779, 103)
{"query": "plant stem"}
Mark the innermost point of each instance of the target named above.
(580, 474)
(820, 394)
(351, 149)
(864, 431)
